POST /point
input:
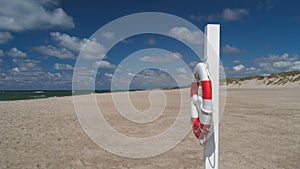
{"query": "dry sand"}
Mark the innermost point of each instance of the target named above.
(260, 128)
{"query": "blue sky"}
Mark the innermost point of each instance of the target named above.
(40, 40)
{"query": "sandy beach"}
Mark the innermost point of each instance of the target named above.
(260, 128)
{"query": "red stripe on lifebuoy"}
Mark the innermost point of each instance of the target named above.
(194, 89)
(196, 128)
(206, 89)
(200, 130)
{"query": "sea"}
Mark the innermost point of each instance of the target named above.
(6, 95)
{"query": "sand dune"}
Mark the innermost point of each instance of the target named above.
(260, 128)
(283, 79)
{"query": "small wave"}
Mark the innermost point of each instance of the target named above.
(39, 96)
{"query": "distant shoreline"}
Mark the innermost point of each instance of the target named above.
(278, 80)
(11, 95)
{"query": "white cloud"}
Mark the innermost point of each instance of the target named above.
(236, 62)
(27, 65)
(297, 62)
(54, 75)
(14, 52)
(182, 70)
(30, 14)
(192, 64)
(153, 78)
(108, 35)
(158, 59)
(90, 48)
(184, 34)
(251, 68)
(28, 74)
(282, 64)
(278, 63)
(234, 14)
(108, 74)
(274, 58)
(5, 37)
(49, 2)
(61, 53)
(226, 15)
(15, 69)
(238, 67)
(296, 66)
(59, 66)
(267, 65)
(241, 69)
(131, 74)
(105, 65)
(231, 50)
(150, 41)
(67, 41)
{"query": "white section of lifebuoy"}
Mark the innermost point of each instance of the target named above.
(200, 70)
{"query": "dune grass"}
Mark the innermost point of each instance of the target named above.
(273, 79)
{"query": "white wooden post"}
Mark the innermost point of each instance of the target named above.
(212, 52)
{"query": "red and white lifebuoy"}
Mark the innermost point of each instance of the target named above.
(201, 107)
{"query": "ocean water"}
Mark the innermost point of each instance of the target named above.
(32, 94)
(6, 95)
